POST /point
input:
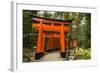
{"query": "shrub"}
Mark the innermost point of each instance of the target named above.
(84, 53)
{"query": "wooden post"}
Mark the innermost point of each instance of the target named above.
(48, 46)
(52, 43)
(43, 41)
(39, 43)
(62, 41)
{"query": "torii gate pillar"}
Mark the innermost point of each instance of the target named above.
(62, 42)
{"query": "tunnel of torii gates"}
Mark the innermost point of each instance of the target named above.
(56, 37)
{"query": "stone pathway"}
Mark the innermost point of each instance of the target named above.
(53, 56)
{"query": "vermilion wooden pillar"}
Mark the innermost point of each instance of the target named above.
(50, 43)
(38, 54)
(62, 42)
(53, 44)
(42, 43)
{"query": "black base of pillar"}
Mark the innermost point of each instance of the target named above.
(38, 55)
(42, 54)
(65, 48)
(63, 54)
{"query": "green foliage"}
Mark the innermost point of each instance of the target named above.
(27, 21)
(84, 53)
(84, 33)
(28, 37)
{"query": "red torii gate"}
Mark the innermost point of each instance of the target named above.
(43, 25)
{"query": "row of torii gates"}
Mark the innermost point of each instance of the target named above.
(54, 30)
